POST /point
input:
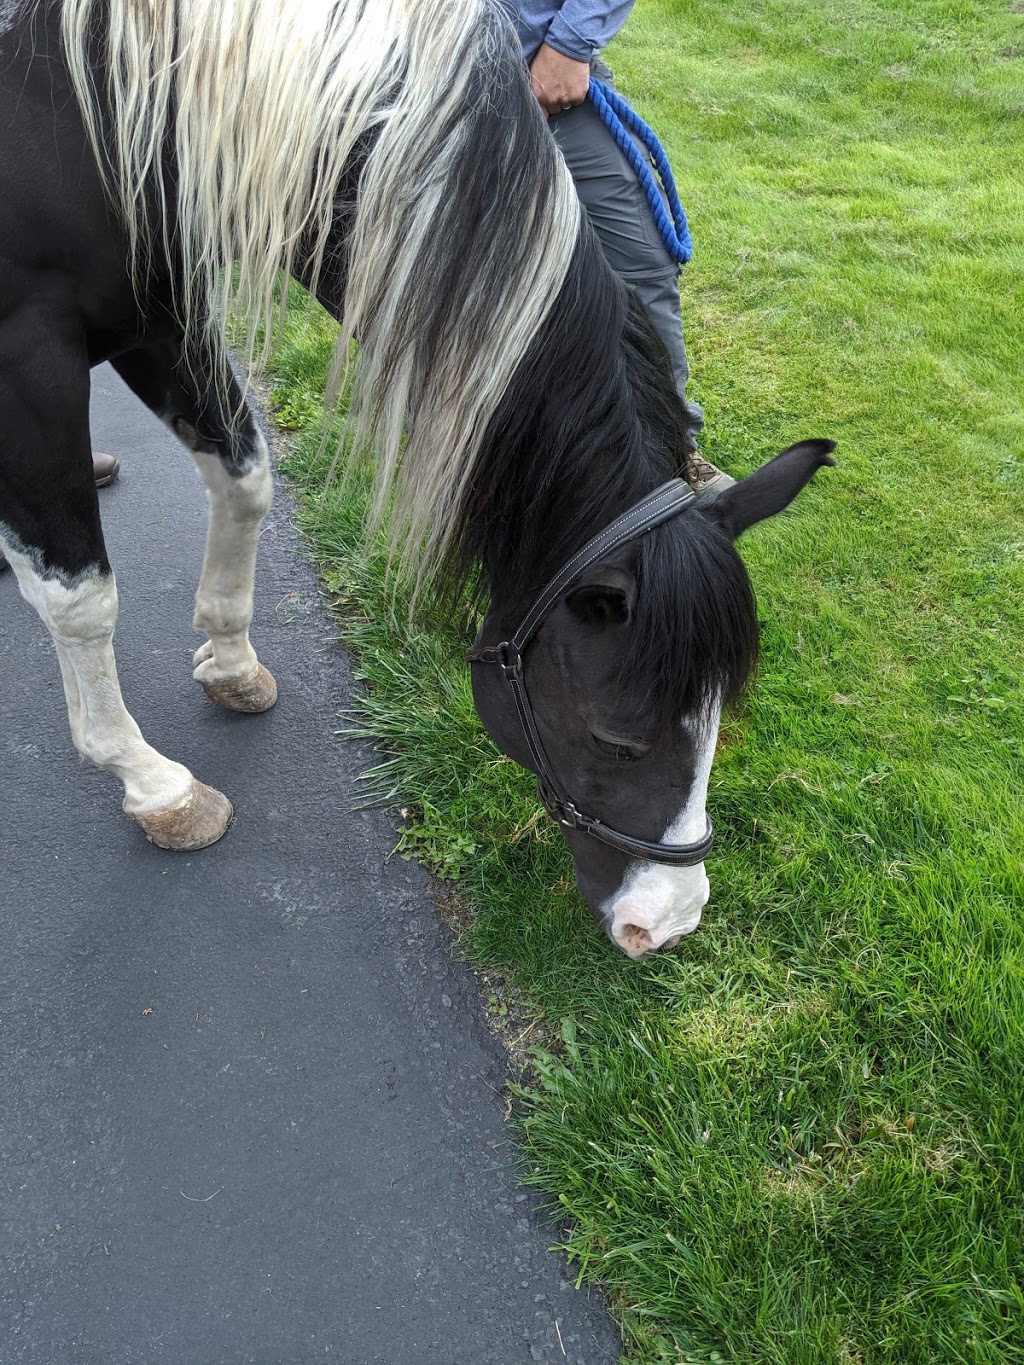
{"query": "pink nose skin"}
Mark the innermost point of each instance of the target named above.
(643, 924)
(637, 941)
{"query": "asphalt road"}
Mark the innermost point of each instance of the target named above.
(249, 1111)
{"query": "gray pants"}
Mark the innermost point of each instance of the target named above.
(617, 206)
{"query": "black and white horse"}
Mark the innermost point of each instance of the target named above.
(163, 164)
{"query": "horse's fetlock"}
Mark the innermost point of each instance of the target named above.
(92, 745)
(219, 619)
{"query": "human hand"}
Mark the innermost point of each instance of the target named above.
(559, 82)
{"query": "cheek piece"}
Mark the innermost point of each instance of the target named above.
(661, 505)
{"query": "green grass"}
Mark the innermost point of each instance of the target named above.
(798, 1138)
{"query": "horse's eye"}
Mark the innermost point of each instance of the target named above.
(625, 750)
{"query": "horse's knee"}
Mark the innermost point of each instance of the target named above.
(242, 494)
(84, 612)
(255, 490)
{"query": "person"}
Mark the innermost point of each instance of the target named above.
(562, 42)
(105, 470)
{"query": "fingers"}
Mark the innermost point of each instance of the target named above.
(555, 103)
(539, 95)
(558, 82)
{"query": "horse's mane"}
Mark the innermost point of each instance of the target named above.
(463, 230)
(512, 390)
(591, 423)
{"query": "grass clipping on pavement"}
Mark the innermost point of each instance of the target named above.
(799, 1137)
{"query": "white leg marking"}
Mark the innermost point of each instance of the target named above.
(81, 618)
(224, 597)
(657, 904)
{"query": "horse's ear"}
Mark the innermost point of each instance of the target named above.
(769, 489)
(605, 600)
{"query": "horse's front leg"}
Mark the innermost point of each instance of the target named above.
(205, 409)
(226, 664)
(50, 530)
(175, 810)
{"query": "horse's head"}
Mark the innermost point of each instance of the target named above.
(625, 678)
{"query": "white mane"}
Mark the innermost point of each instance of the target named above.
(264, 102)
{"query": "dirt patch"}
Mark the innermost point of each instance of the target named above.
(508, 1014)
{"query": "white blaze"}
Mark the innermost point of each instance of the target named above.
(657, 903)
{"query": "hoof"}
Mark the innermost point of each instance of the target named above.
(198, 821)
(252, 694)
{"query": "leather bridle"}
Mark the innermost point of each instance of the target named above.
(661, 505)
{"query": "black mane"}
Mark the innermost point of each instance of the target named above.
(590, 424)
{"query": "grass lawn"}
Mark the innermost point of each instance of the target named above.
(798, 1138)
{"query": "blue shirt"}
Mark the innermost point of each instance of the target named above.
(576, 28)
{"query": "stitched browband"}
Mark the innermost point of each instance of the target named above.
(661, 505)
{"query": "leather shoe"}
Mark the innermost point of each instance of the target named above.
(704, 477)
(105, 468)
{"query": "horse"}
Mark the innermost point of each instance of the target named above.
(167, 165)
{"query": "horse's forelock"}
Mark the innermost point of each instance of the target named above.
(694, 633)
(590, 424)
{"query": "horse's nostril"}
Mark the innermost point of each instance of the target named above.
(634, 940)
(669, 943)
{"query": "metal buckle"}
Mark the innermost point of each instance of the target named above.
(553, 804)
(569, 817)
(511, 661)
(565, 812)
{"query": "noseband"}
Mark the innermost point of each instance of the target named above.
(661, 505)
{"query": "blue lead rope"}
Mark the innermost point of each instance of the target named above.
(617, 117)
